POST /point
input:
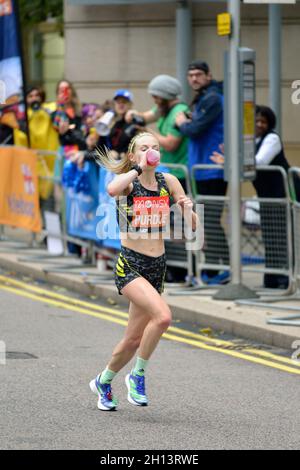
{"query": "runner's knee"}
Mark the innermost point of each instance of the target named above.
(164, 318)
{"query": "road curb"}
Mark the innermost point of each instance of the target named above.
(215, 315)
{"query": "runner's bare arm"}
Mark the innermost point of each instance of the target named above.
(122, 184)
(179, 196)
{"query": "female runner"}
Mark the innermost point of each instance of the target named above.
(140, 269)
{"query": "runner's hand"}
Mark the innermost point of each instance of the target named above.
(185, 203)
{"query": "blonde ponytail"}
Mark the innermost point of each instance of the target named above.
(104, 158)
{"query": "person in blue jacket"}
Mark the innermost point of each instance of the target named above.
(205, 129)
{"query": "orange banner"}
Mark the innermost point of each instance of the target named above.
(19, 197)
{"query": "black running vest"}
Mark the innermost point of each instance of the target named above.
(144, 210)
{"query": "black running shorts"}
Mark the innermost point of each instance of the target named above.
(131, 265)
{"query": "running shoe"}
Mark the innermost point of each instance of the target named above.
(106, 400)
(136, 390)
(221, 278)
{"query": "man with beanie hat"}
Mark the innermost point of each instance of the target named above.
(205, 130)
(165, 86)
(165, 91)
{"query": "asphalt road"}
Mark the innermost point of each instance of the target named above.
(199, 399)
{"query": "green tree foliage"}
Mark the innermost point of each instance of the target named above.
(33, 12)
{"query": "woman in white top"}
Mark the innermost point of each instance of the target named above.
(270, 152)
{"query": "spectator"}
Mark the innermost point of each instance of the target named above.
(34, 96)
(67, 117)
(270, 151)
(11, 119)
(42, 136)
(165, 91)
(67, 120)
(122, 132)
(204, 128)
(7, 125)
(41, 130)
(90, 113)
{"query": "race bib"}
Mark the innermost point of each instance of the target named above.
(150, 212)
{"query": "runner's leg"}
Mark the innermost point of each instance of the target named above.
(147, 299)
(126, 349)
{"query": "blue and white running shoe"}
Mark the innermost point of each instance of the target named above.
(136, 389)
(106, 400)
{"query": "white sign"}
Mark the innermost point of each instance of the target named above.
(54, 242)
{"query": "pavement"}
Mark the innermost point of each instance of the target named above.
(198, 398)
(249, 322)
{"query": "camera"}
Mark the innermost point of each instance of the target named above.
(136, 121)
(35, 105)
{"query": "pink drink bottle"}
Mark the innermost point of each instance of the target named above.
(153, 157)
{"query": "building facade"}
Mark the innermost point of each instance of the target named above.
(114, 46)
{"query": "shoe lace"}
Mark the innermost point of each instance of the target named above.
(108, 392)
(106, 388)
(140, 384)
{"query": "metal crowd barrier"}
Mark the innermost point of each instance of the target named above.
(215, 210)
(215, 255)
(286, 228)
(276, 217)
(215, 213)
(290, 320)
(78, 265)
(177, 252)
(276, 259)
(52, 203)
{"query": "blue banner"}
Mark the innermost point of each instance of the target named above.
(81, 190)
(10, 54)
(90, 211)
(107, 226)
